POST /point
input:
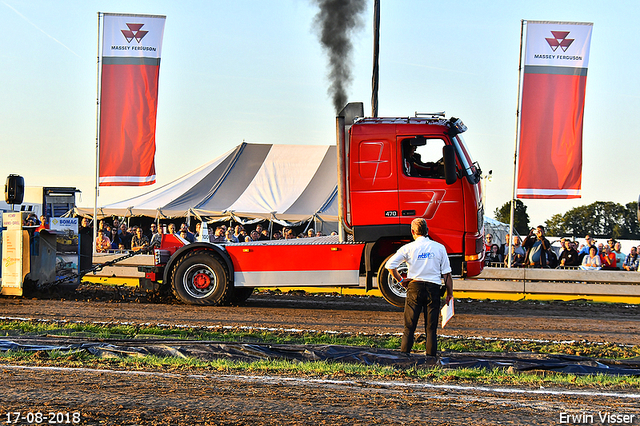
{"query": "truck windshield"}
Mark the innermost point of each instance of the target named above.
(471, 168)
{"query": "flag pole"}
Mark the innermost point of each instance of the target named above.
(515, 149)
(95, 204)
(376, 53)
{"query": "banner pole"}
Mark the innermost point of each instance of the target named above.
(376, 53)
(515, 149)
(97, 170)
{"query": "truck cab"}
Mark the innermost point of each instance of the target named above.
(399, 169)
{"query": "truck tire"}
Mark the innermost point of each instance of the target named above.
(391, 289)
(201, 278)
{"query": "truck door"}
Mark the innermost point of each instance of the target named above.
(423, 191)
(374, 199)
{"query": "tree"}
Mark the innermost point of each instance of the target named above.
(555, 225)
(602, 219)
(520, 218)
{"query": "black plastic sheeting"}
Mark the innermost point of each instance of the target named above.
(334, 353)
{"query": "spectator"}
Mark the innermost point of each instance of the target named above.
(85, 225)
(103, 244)
(592, 260)
(631, 262)
(185, 228)
(44, 224)
(311, 233)
(569, 256)
(584, 251)
(494, 255)
(171, 229)
(504, 248)
(517, 257)
(156, 239)
(600, 248)
(263, 234)
(153, 229)
(139, 241)
(218, 236)
(229, 237)
(620, 257)
(608, 258)
(487, 242)
(125, 236)
(537, 247)
(116, 224)
(183, 235)
(562, 246)
(255, 236)
(115, 238)
(517, 253)
(238, 233)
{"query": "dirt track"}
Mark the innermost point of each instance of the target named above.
(116, 398)
(595, 322)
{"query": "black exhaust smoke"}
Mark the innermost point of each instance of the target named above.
(335, 22)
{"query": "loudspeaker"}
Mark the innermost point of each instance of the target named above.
(14, 189)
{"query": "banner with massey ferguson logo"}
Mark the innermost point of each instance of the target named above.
(552, 109)
(131, 46)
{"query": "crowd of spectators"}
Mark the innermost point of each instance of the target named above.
(536, 251)
(116, 237)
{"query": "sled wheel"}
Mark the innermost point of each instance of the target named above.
(200, 278)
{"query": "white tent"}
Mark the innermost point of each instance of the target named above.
(287, 184)
(497, 229)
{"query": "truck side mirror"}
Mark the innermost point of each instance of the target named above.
(14, 189)
(450, 173)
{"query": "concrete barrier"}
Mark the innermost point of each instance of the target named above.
(553, 281)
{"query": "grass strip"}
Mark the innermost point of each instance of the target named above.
(326, 370)
(222, 334)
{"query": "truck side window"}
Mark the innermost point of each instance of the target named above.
(424, 161)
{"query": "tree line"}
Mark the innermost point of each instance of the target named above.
(600, 219)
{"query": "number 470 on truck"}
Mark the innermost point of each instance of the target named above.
(390, 171)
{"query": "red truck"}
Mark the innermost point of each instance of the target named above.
(390, 171)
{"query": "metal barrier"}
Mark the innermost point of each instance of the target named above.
(553, 281)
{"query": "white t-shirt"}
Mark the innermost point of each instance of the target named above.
(427, 260)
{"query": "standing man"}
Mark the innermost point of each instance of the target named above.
(428, 263)
(537, 247)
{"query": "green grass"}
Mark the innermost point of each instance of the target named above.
(314, 369)
(327, 370)
(117, 331)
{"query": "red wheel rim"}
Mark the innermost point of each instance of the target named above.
(201, 281)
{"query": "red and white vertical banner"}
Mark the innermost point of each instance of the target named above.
(552, 109)
(131, 46)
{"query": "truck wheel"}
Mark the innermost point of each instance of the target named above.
(200, 278)
(391, 289)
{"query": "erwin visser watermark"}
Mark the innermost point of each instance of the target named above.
(601, 417)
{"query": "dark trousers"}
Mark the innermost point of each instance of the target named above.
(421, 297)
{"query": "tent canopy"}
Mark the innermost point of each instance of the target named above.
(282, 183)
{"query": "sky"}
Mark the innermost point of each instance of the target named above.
(254, 71)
